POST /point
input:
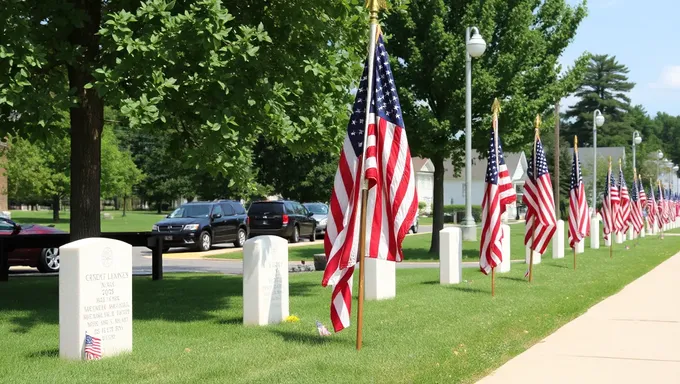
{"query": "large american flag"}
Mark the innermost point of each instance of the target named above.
(609, 202)
(392, 199)
(623, 218)
(652, 210)
(93, 348)
(538, 197)
(579, 225)
(636, 219)
(498, 194)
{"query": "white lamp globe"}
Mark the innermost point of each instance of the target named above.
(675, 168)
(599, 119)
(659, 155)
(638, 139)
(476, 46)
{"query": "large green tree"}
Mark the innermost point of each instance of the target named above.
(209, 78)
(520, 67)
(604, 87)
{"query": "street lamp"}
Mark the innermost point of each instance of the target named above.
(474, 47)
(598, 120)
(637, 139)
(659, 156)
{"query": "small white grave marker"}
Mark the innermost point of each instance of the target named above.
(265, 280)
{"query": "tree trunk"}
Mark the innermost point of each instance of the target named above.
(115, 203)
(158, 207)
(87, 121)
(124, 205)
(55, 208)
(437, 204)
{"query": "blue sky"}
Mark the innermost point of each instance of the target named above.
(643, 35)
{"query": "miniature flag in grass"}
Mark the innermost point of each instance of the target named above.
(93, 349)
(323, 331)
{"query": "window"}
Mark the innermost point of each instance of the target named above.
(5, 226)
(300, 210)
(290, 208)
(319, 209)
(227, 209)
(238, 208)
(263, 208)
(191, 210)
(217, 210)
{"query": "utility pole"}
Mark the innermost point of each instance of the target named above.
(556, 184)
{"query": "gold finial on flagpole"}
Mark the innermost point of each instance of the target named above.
(374, 6)
(496, 108)
(537, 125)
(575, 143)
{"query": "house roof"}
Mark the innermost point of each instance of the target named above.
(512, 160)
(418, 163)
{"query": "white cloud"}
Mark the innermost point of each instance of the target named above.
(669, 78)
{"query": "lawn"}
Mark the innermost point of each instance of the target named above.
(132, 222)
(187, 328)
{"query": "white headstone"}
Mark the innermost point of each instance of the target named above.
(505, 247)
(595, 233)
(265, 280)
(608, 240)
(450, 255)
(642, 232)
(558, 241)
(580, 246)
(381, 279)
(537, 256)
(619, 238)
(95, 297)
(631, 233)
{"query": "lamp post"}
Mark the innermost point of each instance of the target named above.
(659, 156)
(474, 47)
(598, 120)
(637, 139)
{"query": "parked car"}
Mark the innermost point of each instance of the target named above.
(319, 214)
(288, 219)
(45, 259)
(199, 225)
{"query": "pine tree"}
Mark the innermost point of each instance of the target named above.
(605, 87)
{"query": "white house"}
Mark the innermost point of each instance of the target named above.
(454, 187)
(424, 170)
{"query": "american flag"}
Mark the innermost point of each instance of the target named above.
(498, 193)
(392, 198)
(538, 197)
(636, 219)
(623, 219)
(610, 200)
(661, 217)
(643, 195)
(93, 348)
(579, 225)
(323, 331)
(652, 210)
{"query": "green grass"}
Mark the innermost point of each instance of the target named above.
(132, 222)
(424, 220)
(187, 328)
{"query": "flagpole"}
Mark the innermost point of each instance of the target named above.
(658, 183)
(537, 125)
(611, 212)
(495, 109)
(578, 208)
(374, 7)
(639, 205)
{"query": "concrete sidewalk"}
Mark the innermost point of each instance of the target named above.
(631, 337)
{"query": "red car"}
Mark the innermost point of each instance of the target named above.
(45, 259)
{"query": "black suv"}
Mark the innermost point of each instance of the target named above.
(288, 219)
(199, 225)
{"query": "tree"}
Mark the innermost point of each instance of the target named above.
(427, 42)
(190, 70)
(605, 87)
(119, 172)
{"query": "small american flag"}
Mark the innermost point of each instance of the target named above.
(392, 199)
(538, 197)
(623, 219)
(498, 193)
(93, 348)
(579, 225)
(323, 331)
(609, 203)
(661, 217)
(643, 195)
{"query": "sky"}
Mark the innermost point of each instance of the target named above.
(643, 35)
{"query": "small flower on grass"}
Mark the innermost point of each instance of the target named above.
(292, 319)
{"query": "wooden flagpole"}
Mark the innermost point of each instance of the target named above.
(577, 164)
(495, 110)
(659, 217)
(374, 6)
(537, 126)
(612, 233)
